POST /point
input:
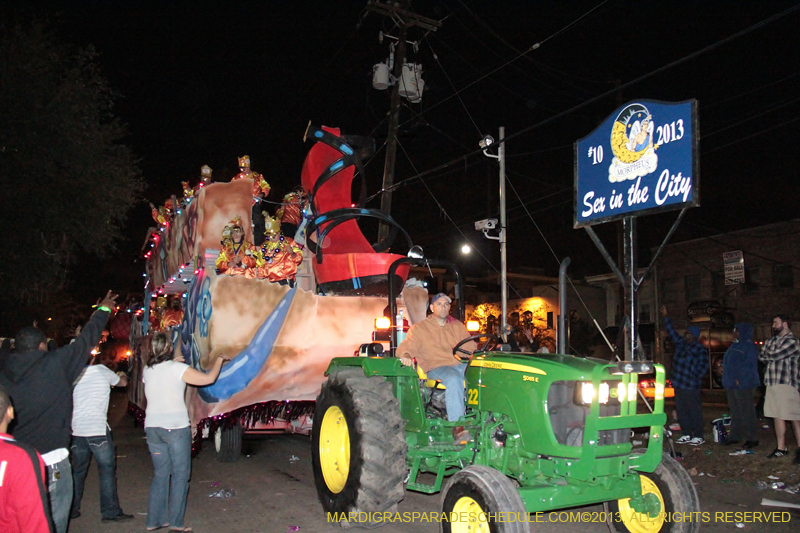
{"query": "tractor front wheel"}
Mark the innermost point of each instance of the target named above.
(358, 447)
(473, 498)
(672, 487)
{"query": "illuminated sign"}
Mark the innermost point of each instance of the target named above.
(642, 159)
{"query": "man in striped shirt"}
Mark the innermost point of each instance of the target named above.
(91, 435)
(782, 378)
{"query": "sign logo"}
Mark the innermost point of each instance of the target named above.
(652, 168)
(632, 144)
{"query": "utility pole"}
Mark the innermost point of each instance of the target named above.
(403, 19)
(391, 136)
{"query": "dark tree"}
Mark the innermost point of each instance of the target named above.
(67, 181)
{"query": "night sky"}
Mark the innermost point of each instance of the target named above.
(204, 82)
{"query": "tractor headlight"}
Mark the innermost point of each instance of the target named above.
(585, 392)
(588, 393)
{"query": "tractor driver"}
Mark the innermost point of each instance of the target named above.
(430, 343)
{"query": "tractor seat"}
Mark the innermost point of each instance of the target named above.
(430, 383)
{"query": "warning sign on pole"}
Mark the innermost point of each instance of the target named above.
(734, 267)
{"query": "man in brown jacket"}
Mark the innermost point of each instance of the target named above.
(431, 343)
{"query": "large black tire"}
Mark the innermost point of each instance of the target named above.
(480, 489)
(672, 484)
(358, 417)
(228, 443)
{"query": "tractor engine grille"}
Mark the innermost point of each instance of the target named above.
(568, 417)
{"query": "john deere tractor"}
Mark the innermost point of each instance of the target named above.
(550, 431)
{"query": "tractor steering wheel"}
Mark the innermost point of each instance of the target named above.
(457, 349)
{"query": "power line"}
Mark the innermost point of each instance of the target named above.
(769, 109)
(436, 57)
(540, 65)
(719, 102)
(600, 96)
(659, 70)
(448, 217)
(533, 47)
(706, 152)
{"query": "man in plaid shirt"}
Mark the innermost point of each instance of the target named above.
(782, 378)
(689, 366)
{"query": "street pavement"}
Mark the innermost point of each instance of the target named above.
(274, 493)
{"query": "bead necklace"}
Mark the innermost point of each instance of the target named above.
(270, 249)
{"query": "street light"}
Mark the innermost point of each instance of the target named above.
(465, 249)
(487, 141)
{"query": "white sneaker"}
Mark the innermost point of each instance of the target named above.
(683, 440)
(697, 441)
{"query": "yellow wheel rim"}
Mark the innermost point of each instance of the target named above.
(642, 522)
(472, 512)
(334, 449)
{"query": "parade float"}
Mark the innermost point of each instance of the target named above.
(280, 305)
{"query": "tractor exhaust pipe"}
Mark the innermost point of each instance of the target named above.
(562, 306)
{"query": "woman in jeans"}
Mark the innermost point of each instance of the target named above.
(169, 436)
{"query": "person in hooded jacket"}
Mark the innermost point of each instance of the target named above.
(740, 379)
(40, 385)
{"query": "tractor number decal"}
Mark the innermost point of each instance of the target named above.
(507, 366)
(473, 396)
(530, 378)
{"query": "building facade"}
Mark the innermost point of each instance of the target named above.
(689, 279)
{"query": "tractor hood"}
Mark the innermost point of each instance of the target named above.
(577, 368)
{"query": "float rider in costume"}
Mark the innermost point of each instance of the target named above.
(173, 316)
(279, 255)
(205, 179)
(260, 186)
(260, 191)
(236, 258)
(162, 214)
(291, 212)
(188, 193)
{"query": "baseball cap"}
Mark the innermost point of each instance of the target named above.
(439, 296)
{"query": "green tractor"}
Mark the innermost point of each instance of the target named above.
(551, 431)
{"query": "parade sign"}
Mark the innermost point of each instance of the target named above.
(734, 267)
(642, 159)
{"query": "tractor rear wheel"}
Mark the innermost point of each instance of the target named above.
(673, 488)
(476, 491)
(358, 447)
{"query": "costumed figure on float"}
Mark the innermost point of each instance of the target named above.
(188, 193)
(163, 213)
(260, 186)
(291, 212)
(205, 180)
(237, 256)
(279, 255)
(173, 316)
(157, 309)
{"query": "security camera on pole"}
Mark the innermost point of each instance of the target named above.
(486, 225)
